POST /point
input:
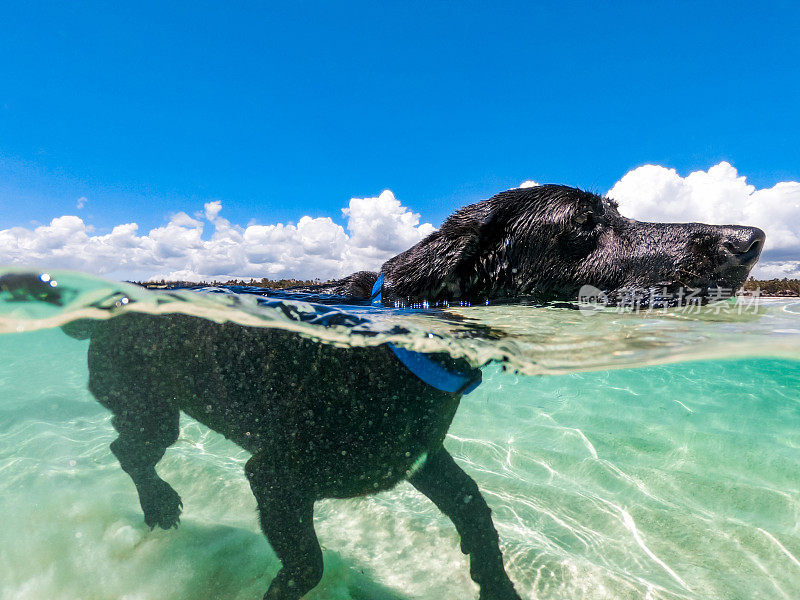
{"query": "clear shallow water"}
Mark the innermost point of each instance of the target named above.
(674, 480)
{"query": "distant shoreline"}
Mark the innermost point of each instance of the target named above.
(274, 284)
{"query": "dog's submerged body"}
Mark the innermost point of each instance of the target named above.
(322, 421)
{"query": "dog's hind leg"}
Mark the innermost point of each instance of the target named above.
(144, 435)
(457, 495)
(286, 512)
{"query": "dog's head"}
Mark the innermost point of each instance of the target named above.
(547, 242)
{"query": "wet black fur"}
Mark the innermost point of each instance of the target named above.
(322, 421)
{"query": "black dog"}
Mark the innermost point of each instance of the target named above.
(322, 421)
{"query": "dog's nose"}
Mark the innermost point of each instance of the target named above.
(744, 244)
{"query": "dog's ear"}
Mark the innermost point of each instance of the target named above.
(445, 265)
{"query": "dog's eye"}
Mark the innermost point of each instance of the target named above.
(585, 219)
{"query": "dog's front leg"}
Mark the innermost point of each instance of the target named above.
(457, 495)
(286, 511)
(143, 438)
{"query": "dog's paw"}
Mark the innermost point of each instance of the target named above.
(501, 590)
(161, 505)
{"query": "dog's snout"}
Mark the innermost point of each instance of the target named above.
(743, 243)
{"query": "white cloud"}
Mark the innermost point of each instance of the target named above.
(82, 202)
(719, 196)
(212, 209)
(380, 228)
(377, 229)
(529, 183)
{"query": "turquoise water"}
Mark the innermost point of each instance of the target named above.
(677, 476)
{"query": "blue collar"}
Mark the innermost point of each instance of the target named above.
(429, 371)
(435, 375)
(377, 291)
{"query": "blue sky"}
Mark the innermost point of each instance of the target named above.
(149, 109)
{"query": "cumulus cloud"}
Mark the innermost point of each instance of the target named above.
(381, 227)
(719, 196)
(528, 184)
(376, 229)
